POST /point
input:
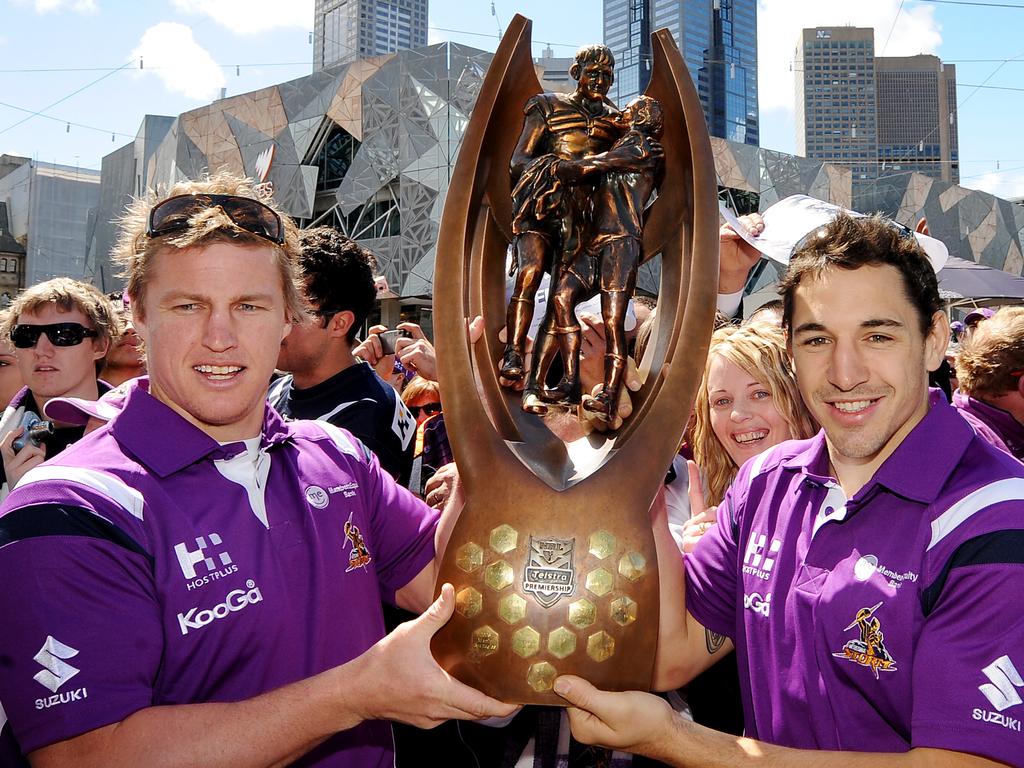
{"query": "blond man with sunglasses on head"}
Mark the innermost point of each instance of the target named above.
(199, 582)
(61, 331)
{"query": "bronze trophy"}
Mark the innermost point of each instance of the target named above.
(553, 559)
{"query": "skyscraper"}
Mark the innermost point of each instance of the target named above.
(835, 98)
(718, 40)
(347, 29)
(879, 116)
(917, 123)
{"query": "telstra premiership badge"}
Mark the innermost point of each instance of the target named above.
(549, 575)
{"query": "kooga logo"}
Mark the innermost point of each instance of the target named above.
(234, 601)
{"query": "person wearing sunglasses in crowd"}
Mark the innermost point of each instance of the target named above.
(199, 581)
(324, 380)
(61, 331)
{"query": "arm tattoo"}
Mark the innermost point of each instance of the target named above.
(714, 641)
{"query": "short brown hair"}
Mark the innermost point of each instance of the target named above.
(67, 295)
(849, 243)
(991, 353)
(135, 250)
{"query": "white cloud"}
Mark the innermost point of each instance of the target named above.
(1005, 184)
(169, 51)
(46, 6)
(251, 17)
(779, 25)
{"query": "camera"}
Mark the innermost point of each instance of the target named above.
(37, 430)
(388, 339)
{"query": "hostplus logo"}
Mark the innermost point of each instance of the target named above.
(1001, 692)
(759, 558)
(203, 556)
(55, 672)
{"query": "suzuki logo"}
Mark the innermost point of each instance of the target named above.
(1002, 691)
(188, 559)
(55, 670)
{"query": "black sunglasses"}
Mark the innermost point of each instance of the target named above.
(429, 409)
(59, 334)
(173, 214)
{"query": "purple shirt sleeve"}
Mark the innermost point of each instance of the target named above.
(86, 644)
(967, 666)
(711, 572)
(401, 532)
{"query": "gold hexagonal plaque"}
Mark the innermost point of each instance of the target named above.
(504, 539)
(600, 646)
(512, 608)
(632, 565)
(483, 642)
(602, 544)
(469, 557)
(623, 611)
(498, 575)
(526, 642)
(541, 676)
(469, 602)
(561, 642)
(600, 582)
(582, 613)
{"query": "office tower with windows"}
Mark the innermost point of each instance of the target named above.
(878, 115)
(344, 30)
(835, 98)
(917, 121)
(718, 40)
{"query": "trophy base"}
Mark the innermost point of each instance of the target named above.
(536, 600)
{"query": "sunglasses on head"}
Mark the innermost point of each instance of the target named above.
(59, 334)
(173, 214)
(429, 409)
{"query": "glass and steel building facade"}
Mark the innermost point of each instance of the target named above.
(347, 29)
(369, 147)
(718, 40)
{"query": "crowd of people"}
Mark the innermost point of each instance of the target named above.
(223, 511)
(842, 529)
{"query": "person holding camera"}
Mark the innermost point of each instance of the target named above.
(61, 331)
(324, 380)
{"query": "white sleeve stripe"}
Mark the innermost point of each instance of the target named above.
(109, 485)
(355, 449)
(1011, 489)
(759, 460)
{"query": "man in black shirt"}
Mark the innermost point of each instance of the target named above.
(61, 331)
(324, 380)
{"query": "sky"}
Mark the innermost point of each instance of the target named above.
(77, 76)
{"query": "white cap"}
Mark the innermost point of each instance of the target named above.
(790, 220)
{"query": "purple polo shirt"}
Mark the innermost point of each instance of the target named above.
(1001, 424)
(148, 565)
(882, 622)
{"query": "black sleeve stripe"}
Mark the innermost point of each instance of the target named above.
(989, 548)
(60, 520)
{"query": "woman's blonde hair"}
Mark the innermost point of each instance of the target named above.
(759, 349)
(134, 250)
